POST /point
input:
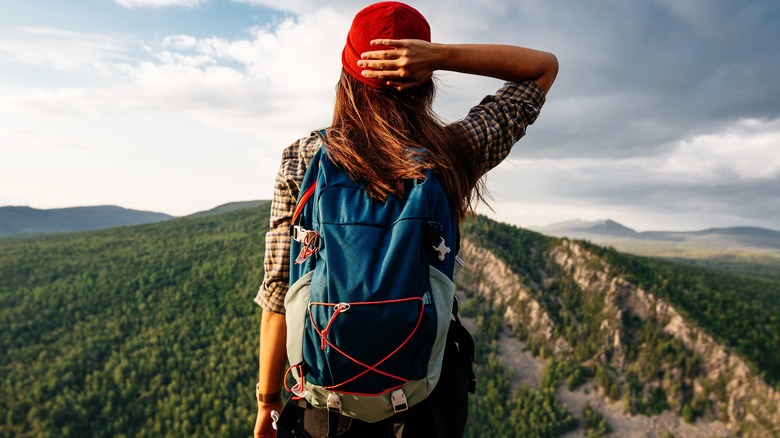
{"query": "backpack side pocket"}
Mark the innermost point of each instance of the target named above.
(296, 304)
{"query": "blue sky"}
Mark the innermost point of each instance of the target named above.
(665, 115)
(200, 19)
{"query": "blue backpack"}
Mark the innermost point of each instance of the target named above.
(371, 294)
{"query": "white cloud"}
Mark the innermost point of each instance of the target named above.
(61, 49)
(201, 118)
(264, 84)
(130, 4)
(727, 177)
(747, 151)
(180, 42)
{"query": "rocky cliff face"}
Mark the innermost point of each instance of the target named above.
(490, 277)
(750, 404)
(737, 396)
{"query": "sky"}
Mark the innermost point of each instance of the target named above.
(665, 114)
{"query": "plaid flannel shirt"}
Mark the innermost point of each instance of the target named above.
(493, 126)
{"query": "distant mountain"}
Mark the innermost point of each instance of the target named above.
(610, 232)
(16, 221)
(231, 206)
(605, 227)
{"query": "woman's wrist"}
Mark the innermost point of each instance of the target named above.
(267, 398)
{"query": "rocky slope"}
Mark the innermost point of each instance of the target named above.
(731, 399)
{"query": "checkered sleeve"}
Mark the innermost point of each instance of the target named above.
(500, 120)
(276, 264)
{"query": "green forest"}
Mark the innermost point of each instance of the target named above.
(151, 330)
(135, 331)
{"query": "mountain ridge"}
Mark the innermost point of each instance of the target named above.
(746, 249)
(23, 220)
(228, 207)
(616, 229)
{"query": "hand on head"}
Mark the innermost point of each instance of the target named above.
(403, 64)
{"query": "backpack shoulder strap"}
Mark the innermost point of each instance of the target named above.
(309, 183)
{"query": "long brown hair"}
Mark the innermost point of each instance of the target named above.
(383, 138)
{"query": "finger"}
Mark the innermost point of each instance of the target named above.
(402, 86)
(378, 65)
(380, 54)
(388, 42)
(383, 74)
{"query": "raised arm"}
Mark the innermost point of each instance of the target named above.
(409, 62)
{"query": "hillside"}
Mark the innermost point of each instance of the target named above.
(231, 206)
(25, 220)
(655, 338)
(150, 330)
(135, 331)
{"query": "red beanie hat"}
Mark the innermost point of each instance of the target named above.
(384, 20)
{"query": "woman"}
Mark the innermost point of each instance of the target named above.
(383, 117)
